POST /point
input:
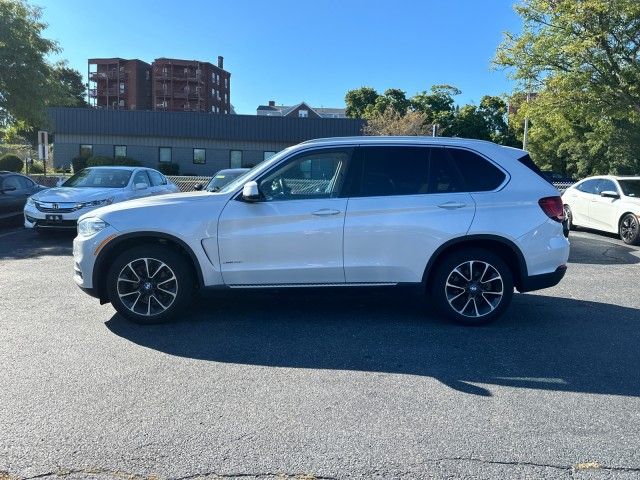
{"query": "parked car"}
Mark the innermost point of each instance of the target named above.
(60, 207)
(221, 178)
(14, 191)
(606, 203)
(464, 220)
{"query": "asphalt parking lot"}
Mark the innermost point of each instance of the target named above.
(319, 384)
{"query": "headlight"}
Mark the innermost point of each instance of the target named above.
(90, 226)
(96, 203)
(31, 202)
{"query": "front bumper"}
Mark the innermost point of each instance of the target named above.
(34, 218)
(85, 252)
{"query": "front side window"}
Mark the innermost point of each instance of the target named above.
(86, 150)
(120, 151)
(235, 158)
(606, 186)
(164, 154)
(589, 186)
(631, 188)
(13, 182)
(307, 176)
(141, 177)
(199, 155)
(478, 174)
(99, 178)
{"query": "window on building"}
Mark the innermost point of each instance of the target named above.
(303, 113)
(199, 155)
(86, 150)
(119, 151)
(121, 87)
(226, 82)
(267, 155)
(164, 154)
(235, 159)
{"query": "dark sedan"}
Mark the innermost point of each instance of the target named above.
(14, 191)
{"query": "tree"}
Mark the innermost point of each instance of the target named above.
(68, 89)
(582, 58)
(24, 71)
(392, 122)
(358, 100)
(438, 106)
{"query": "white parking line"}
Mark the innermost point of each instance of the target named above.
(6, 234)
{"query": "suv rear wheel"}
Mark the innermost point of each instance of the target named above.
(149, 284)
(472, 286)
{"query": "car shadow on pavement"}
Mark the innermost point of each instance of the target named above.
(545, 343)
(592, 251)
(25, 243)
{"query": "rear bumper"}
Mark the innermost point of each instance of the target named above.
(545, 280)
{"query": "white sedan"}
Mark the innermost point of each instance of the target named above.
(607, 203)
(60, 207)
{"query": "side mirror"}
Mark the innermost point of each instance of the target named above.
(250, 192)
(141, 186)
(609, 194)
(198, 186)
(8, 189)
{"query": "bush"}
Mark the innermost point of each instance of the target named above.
(79, 163)
(36, 167)
(110, 161)
(11, 162)
(169, 168)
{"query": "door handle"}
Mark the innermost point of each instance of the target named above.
(323, 212)
(452, 205)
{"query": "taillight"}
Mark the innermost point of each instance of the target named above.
(552, 207)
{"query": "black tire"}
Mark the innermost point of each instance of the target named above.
(475, 286)
(159, 299)
(629, 229)
(569, 217)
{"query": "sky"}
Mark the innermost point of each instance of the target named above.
(297, 50)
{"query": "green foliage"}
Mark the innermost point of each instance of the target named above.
(358, 100)
(11, 162)
(582, 59)
(391, 122)
(29, 83)
(78, 163)
(169, 168)
(100, 161)
(36, 167)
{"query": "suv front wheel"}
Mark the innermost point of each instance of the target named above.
(472, 286)
(150, 284)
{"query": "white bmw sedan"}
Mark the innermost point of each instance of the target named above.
(607, 203)
(60, 207)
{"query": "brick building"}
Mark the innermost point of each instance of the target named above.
(167, 84)
(119, 83)
(190, 85)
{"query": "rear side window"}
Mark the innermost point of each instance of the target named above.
(156, 178)
(527, 162)
(394, 171)
(444, 176)
(589, 186)
(478, 174)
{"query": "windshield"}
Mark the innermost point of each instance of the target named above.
(222, 178)
(255, 171)
(631, 188)
(99, 178)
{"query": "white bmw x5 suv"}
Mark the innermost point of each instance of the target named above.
(465, 220)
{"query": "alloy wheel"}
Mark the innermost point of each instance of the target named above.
(474, 288)
(629, 228)
(147, 286)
